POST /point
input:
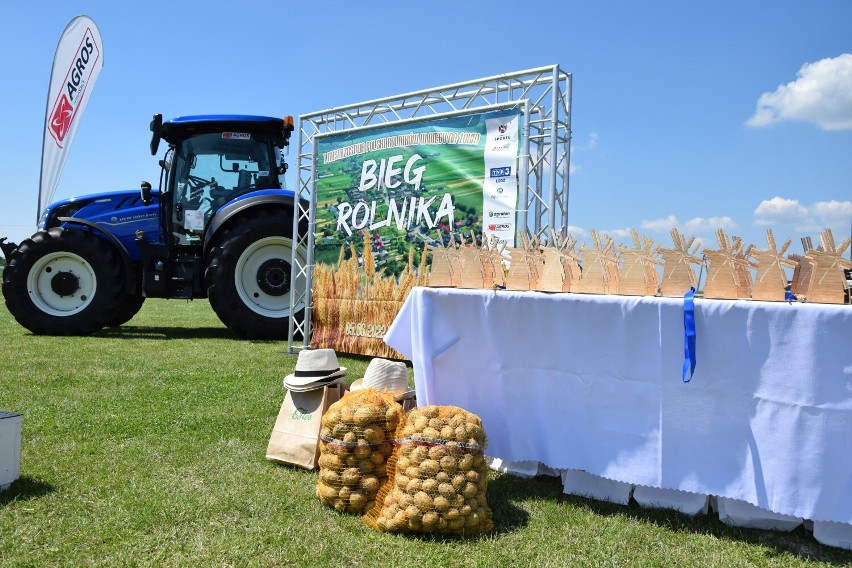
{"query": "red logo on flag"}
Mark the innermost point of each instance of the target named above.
(60, 122)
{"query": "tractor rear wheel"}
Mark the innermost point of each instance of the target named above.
(248, 275)
(63, 282)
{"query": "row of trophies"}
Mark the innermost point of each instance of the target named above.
(606, 268)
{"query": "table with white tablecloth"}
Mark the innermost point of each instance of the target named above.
(594, 383)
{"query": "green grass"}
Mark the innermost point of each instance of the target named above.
(145, 446)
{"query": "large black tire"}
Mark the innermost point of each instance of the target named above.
(63, 282)
(248, 275)
(130, 306)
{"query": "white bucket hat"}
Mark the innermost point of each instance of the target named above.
(315, 366)
(384, 375)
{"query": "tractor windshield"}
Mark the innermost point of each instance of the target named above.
(213, 168)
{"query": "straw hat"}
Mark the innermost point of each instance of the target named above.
(314, 368)
(384, 375)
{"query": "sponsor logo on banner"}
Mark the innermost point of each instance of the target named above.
(499, 227)
(501, 172)
(500, 194)
(502, 136)
(77, 77)
(499, 214)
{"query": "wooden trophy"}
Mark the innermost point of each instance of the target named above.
(571, 263)
(492, 263)
(600, 267)
(828, 282)
(678, 274)
(743, 267)
(771, 281)
(472, 268)
(446, 267)
(525, 267)
(728, 277)
(804, 271)
(561, 264)
(535, 258)
(554, 274)
(638, 272)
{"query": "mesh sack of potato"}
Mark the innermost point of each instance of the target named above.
(437, 476)
(356, 440)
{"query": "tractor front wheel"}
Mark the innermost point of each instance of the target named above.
(248, 276)
(63, 282)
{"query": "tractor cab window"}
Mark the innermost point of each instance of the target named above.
(212, 169)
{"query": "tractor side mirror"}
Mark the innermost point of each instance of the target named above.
(156, 132)
(146, 193)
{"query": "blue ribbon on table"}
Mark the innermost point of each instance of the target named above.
(689, 334)
(790, 297)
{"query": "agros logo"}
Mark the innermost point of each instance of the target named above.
(68, 99)
(499, 227)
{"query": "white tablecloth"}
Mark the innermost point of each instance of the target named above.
(593, 382)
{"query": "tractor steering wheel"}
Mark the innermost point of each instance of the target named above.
(196, 182)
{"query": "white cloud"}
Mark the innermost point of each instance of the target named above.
(620, 234)
(592, 141)
(703, 229)
(709, 224)
(780, 211)
(577, 232)
(833, 213)
(821, 93)
(789, 213)
(591, 144)
(660, 225)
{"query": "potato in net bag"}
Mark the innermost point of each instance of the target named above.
(437, 476)
(356, 440)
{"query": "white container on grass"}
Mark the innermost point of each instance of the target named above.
(745, 515)
(687, 503)
(833, 534)
(585, 484)
(10, 448)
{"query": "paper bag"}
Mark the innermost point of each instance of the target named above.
(295, 436)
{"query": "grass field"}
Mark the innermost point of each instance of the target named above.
(144, 446)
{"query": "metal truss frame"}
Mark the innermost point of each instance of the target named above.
(544, 97)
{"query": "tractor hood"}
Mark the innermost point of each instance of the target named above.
(91, 207)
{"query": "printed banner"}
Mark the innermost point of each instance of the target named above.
(384, 196)
(78, 61)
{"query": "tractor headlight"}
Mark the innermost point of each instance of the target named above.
(50, 217)
(42, 221)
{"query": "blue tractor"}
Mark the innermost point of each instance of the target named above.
(220, 227)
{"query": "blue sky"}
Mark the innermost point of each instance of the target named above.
(728, 114)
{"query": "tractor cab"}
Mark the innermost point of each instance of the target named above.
(211, 161)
